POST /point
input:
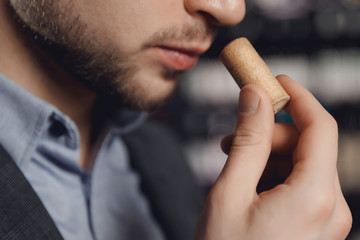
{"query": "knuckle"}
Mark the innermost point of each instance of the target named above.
(344, 220)
(333, 124)
(325, 206)
(330, 125)
(321, 206)
(345, 227)
(247, 137)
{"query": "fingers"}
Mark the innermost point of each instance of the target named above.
(285, 138)
(316, 151)
(279, 165)
(251, 141)
(226, 143)
(315, 161)
(314, 136)
(311, 193)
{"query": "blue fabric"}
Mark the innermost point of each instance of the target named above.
(103, 204)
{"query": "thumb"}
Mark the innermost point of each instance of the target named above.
(251, 144)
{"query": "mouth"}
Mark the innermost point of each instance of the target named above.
(178, 58)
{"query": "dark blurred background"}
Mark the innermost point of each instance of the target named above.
(317, 43)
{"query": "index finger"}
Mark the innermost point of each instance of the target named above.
(316, 153)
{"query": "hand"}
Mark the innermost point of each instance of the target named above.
(309, 204)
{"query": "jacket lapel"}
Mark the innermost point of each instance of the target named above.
(166, 180)
(22, 215)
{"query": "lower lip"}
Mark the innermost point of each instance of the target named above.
(177, 60)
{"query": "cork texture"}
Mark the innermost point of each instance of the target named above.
(246, 66)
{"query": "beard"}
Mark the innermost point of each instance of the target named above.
(102, 67)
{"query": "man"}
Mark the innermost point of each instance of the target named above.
(70, 69)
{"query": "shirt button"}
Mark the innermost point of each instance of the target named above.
(57, 129)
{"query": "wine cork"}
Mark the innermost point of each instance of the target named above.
(246, 66)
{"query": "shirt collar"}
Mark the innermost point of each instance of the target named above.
(126, 120)
(23, 118)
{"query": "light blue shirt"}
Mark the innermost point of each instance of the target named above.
(103, 204)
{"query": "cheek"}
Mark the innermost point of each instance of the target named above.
(112, 22)
(129, 23)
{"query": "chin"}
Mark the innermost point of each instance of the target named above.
(142, 103)
(153, 101)
(145, 97)
(152, 93)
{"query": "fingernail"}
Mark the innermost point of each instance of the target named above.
(249, 101)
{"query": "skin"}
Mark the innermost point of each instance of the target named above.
(127, 64)
(118, 49)
(123, 69)
(309, 203)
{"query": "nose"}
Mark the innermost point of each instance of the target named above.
(222, 12)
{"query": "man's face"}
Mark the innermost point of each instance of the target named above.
(134, 50)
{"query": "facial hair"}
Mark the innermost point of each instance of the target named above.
(103, 68)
